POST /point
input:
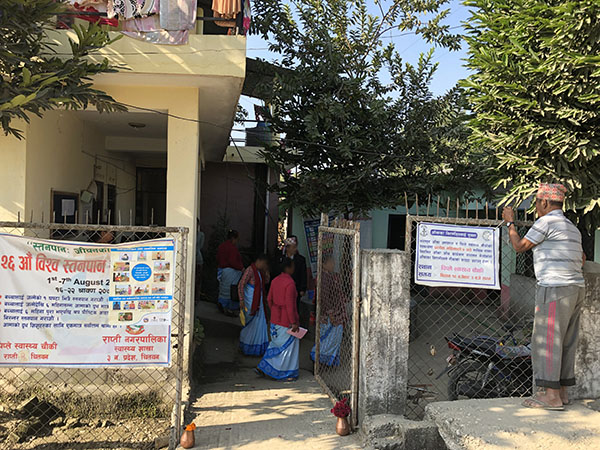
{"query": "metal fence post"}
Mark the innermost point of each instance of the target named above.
(355, 323)
(338, 306)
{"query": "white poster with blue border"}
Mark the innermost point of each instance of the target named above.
(141, 288)
(457, 256)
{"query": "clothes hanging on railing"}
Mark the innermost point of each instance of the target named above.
(178, 14)
(231, 9)
(129, 9)
(247, 16)
(93, 7)
(227, 9)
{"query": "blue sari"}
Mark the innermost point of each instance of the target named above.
(228, 277)
(281, 360)
(254, 337)
(330, 339)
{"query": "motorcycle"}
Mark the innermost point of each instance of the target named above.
(488, 367)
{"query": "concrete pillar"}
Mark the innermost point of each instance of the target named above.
(587, 362)
(12, 174)
(384, 332)
(183, 140)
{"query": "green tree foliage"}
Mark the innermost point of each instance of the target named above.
(536, 92)
(359, 126)
(34, 77)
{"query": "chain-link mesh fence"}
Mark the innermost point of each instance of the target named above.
(111, 407)
(338, 278)
(480, 337)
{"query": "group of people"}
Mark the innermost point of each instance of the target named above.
(269, 309)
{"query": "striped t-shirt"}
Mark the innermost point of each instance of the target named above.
(558, 254)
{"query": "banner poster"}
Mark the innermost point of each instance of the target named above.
(311, 230)
(458, 256)
(75, 304)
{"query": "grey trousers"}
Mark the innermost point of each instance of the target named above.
(555, 333)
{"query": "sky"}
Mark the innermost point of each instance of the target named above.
(451, 65)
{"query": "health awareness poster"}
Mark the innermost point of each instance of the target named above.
(458, 256)
(75, 304)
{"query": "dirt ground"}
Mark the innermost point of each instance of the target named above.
(122, 435)
(435, 320)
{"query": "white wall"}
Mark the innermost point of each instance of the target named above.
(61, 153)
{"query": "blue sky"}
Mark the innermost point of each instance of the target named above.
(451, 65)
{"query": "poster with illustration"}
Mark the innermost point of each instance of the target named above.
(142, 276)
(75, 304)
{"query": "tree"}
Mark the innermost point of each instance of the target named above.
(536, 92)
(359, 127)
(34, 77)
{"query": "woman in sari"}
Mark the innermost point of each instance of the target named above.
(281, 360)
(254, 337)
(229, 271)
(333, 315)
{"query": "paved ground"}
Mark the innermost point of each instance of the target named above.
(505, 424)
(235, 409)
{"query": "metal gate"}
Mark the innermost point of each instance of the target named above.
(337, 318)
(56, 408)
(503, 316)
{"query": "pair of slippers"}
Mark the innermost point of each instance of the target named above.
(535, 403)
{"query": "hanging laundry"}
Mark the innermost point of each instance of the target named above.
(227, 9)
(247, 15)
(94, 10)
(178, 14)
(129, 9)
(148, 29)
(94, 19)
(149, 23)
(100, 5)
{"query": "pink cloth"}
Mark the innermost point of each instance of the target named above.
(552, 192)
(149, 29)
(282, 301)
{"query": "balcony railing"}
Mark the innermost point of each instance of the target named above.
(205, 24)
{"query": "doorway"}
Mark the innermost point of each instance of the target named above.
(151, 196)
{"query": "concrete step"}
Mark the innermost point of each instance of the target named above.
(391, 432)
(494, 424)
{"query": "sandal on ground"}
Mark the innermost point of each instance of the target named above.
(535, 403)
(259, 372)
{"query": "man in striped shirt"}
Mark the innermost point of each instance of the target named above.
(558, 262)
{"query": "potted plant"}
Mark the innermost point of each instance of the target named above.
(188, 439)
(342, 410)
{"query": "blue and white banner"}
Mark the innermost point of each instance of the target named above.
(457, 255)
